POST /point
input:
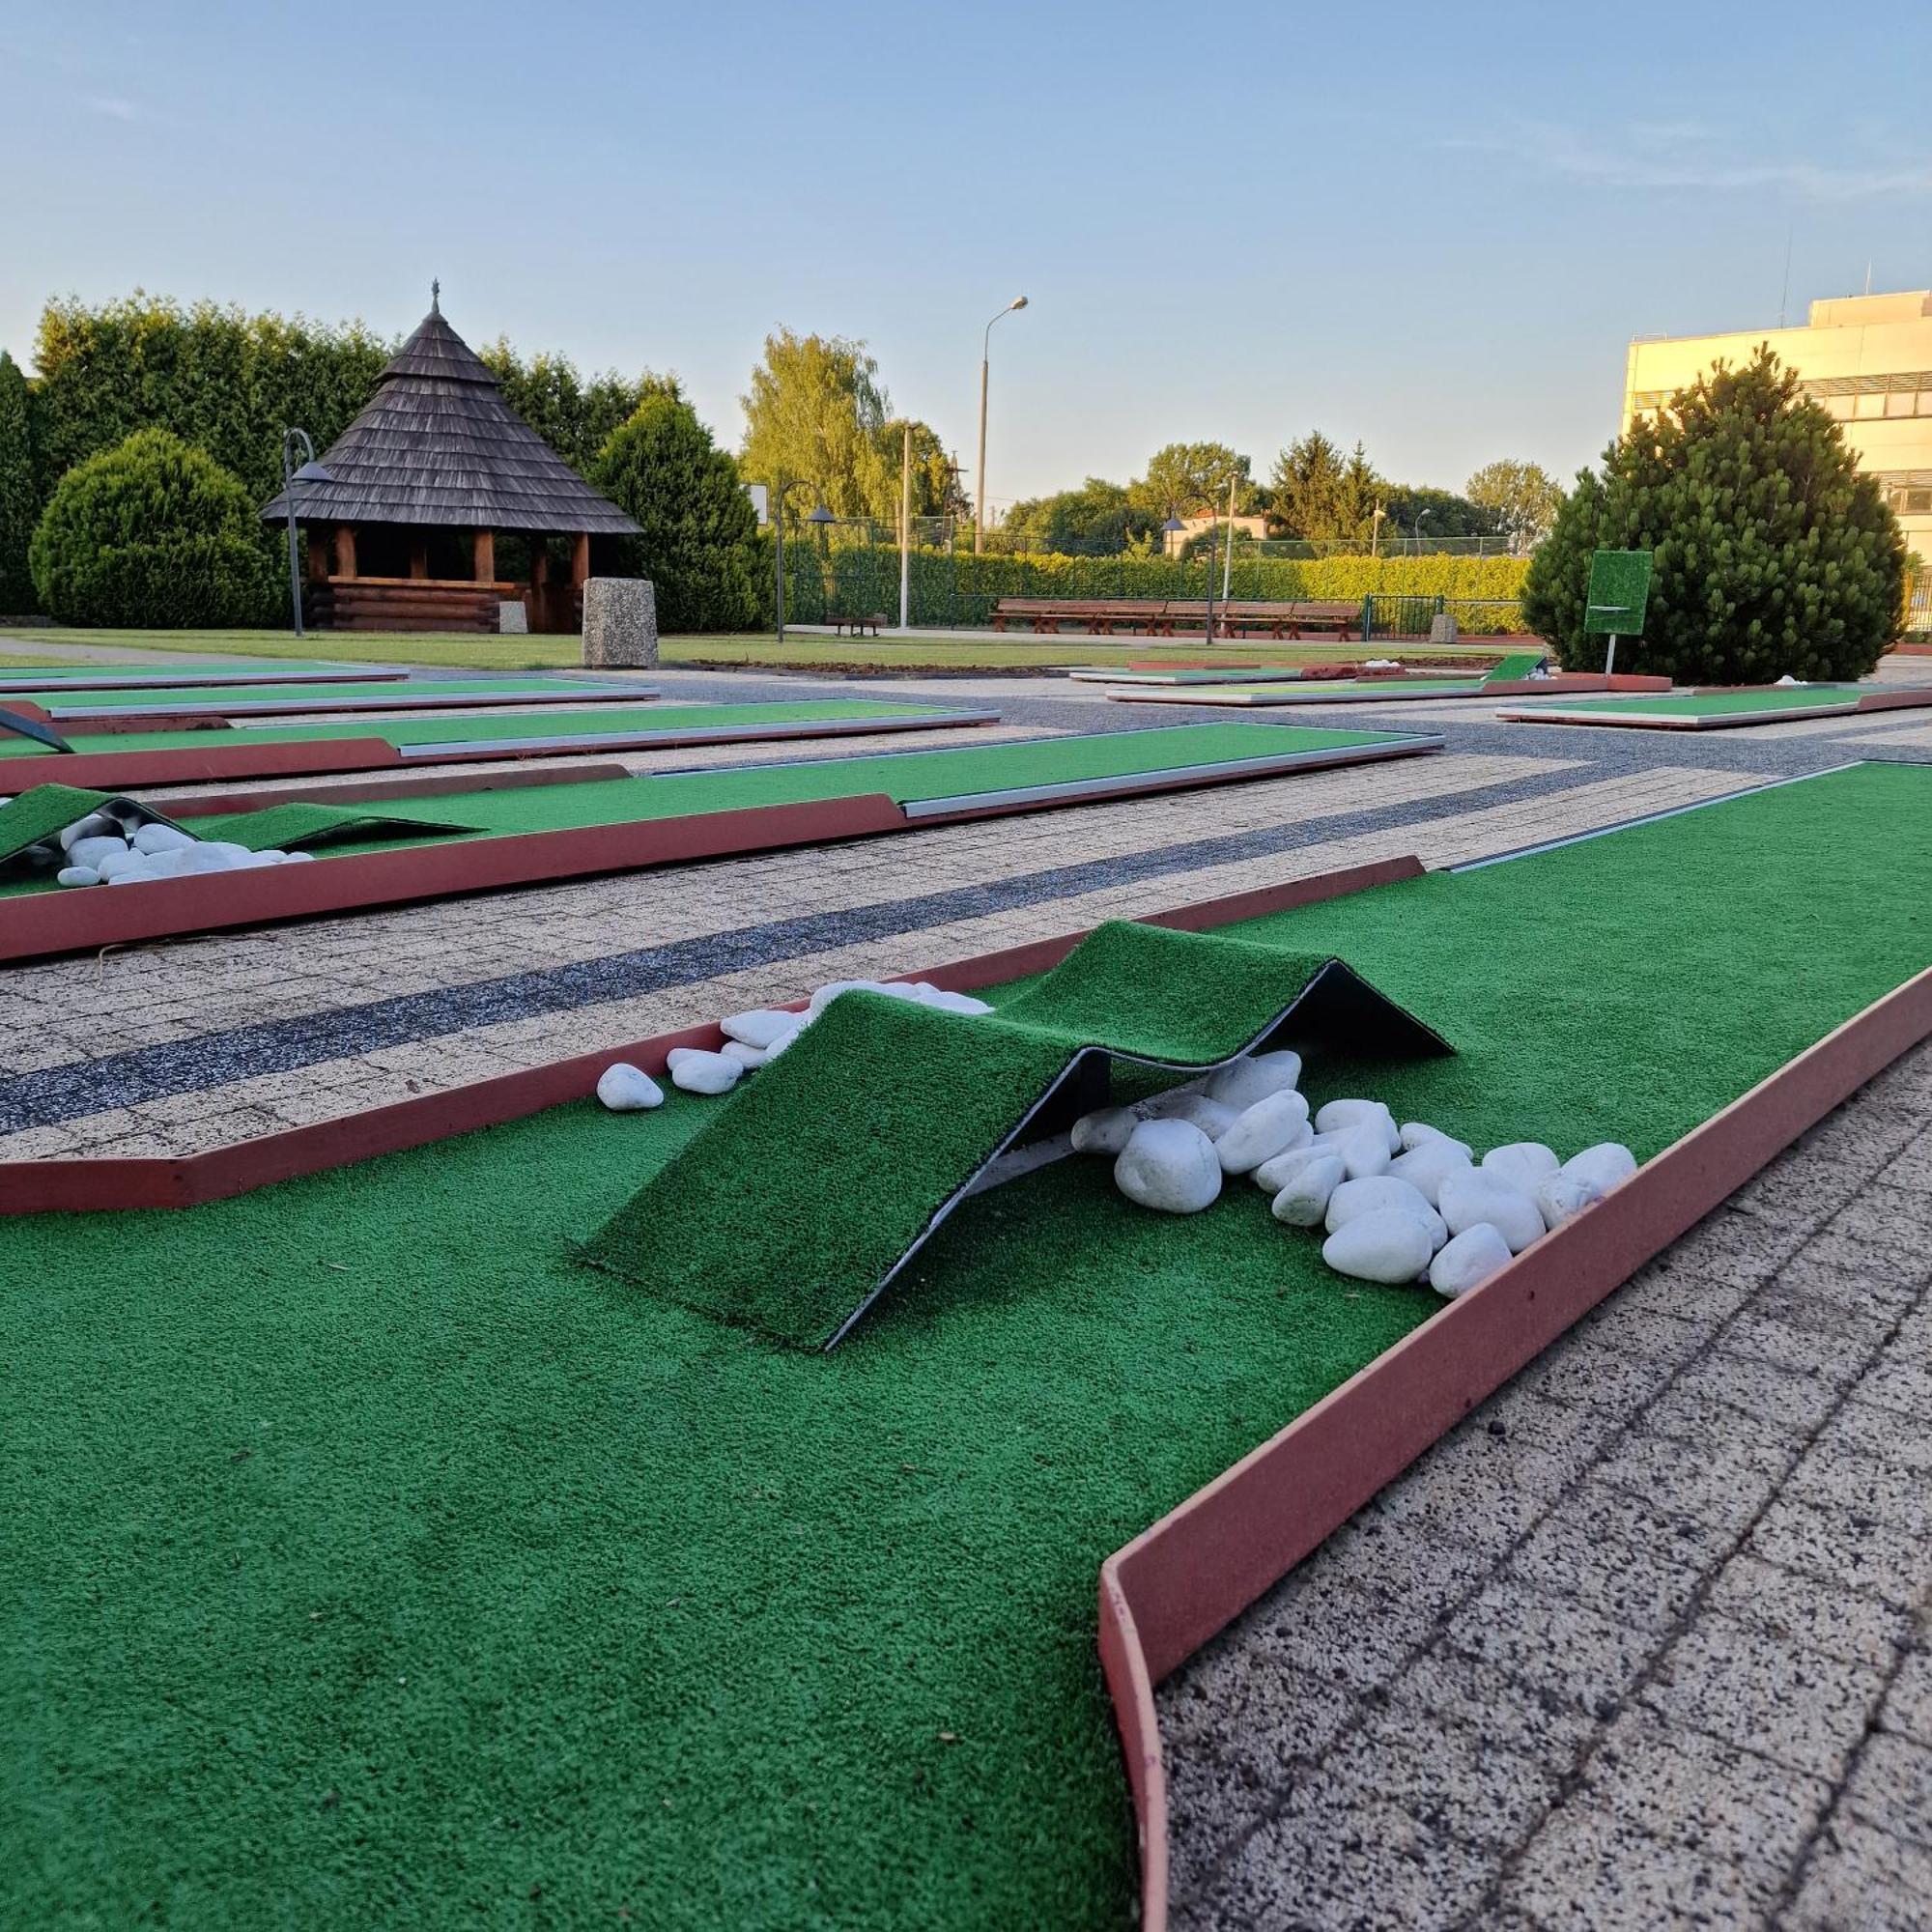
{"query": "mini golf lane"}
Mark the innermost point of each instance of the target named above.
(191, 672)
(266, 700)
(1729, 710)
(379, 1550)
(120, 758)
(568, 831)
(1382, 689)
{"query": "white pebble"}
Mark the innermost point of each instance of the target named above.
(1243, 1082)
(759, 1027)
(1561, 1196)
(1413, 1134)
(1184, 1103)
(628, 1090)
(92, 826)
(699, 1072)
(1365, 1149)
(1302, 1200)
(747, 1057)
(1259, 1132)
(152, 839)
(1521, 1164)
(1391, 1247)
(76, 875)
(1603, 1165)
(1428, 1164)
(119, 865)
(1274, 1175)
(1472, 1200)
(949, 1003)
(1469, 1259)
(826, 994)
(1169, 1165)
(90, 851)
(132, 876)
(1383, 1194)
(783, 1040)
(1105, 1130)
(1339, 1114)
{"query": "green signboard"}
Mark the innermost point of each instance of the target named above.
(1619, 589)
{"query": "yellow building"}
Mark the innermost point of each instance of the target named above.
(1867, 358)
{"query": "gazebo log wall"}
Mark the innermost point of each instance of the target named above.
(405, 603)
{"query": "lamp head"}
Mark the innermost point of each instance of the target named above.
(313, 473)
(1018, 302)
(821, 515)
(1173, 526)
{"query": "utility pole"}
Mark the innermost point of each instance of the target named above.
(905, 531)
(985, 352)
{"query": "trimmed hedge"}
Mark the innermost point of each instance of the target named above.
(153, 535)
(958, 591)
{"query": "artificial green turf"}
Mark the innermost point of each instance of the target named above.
(370, 1559)
(170, 677)
(285, 828)
(850, 1172)
(398, 694)
(1515, 665)
(1717, 703)
(905, 777)
(431, 728)
(42, 810)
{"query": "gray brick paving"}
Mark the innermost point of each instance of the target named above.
(1676, 1670)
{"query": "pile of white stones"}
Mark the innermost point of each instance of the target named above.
(123, 845)
(754, 1038)
(1398, 1201)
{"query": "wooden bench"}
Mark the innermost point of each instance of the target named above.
(858, 626)
(1101, 614)
(1104, 615)
(1288, 620)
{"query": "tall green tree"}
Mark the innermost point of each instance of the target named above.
(574, 415)
(1095, 520)
(1774, 555)
(813, 413)
(935, 482)
(1523, 498)
(1185, 478)
(20, 498)
(1319, 494)
(227, 382)
(700, 532)
(1420, 510)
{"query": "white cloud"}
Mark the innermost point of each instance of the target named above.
(1685, 155)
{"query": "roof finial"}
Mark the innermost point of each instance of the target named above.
(435, 297)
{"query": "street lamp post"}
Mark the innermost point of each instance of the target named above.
(985, 352)
(818, 514)
(309, 470)
(1174, 526)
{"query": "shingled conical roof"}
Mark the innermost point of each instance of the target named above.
(438, 444)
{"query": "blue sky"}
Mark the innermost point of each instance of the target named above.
(1430, 228)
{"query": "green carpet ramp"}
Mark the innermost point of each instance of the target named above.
(820, 1179)
(284, 828)
(1517, 663)
(39, 813)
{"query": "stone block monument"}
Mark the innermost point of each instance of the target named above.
(620, 623)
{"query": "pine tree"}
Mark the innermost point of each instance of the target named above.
(19, 506)
(1774, 555)
(665, 472)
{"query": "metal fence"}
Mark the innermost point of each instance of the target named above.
(1916, 622)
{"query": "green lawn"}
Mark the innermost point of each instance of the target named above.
(843, 655)
(369, 1559)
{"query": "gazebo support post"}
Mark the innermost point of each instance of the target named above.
(486, 556)
(345, 550)
(579, 560)
(419, 560)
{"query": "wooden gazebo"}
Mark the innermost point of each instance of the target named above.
(402, 537)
